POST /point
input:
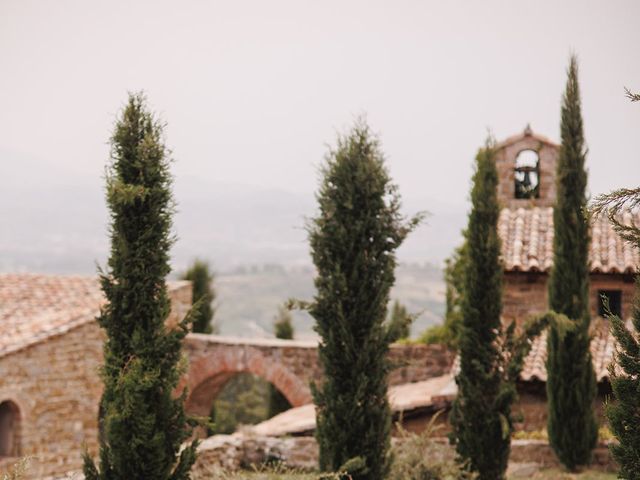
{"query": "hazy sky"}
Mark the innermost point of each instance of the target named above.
(253, 91)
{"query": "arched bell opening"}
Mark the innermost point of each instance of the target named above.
(527, 175)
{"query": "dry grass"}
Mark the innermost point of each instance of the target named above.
(552, 474)
(16, 471)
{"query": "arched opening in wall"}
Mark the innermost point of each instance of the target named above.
(9, 429)
(527, 175)
(232, 400)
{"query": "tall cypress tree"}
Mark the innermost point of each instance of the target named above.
(624, 412)
(144, 425)
(203, 296)
(353, 243)
(491, 357)
(480, 419)
(571, 382)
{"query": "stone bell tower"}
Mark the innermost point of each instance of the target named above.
(526, 166)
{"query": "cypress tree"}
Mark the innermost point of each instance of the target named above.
(624, 412)
(491, 357)
(353, 243)
(203, 296)
(480, 417)
(571, 382)
(144, 425)
(283, 328)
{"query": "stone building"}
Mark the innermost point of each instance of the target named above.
(50, 352)
(527, 190)
(527, 167)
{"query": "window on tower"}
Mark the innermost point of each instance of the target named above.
(610, 302)
(527, 175)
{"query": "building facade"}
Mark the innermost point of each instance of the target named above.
(50, 355)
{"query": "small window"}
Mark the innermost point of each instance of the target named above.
(526, 175)
(614, 297)
(9, 422)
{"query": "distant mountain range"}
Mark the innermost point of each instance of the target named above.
(56, 221)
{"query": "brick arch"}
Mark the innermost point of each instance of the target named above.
(207, 376)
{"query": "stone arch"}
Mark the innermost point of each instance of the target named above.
(208, 374)
(10, 420)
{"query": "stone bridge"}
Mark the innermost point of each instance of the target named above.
(290, 365)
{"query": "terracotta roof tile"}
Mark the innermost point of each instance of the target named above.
(534, 368)
(34, 307)
(527, 242)
(602, 350)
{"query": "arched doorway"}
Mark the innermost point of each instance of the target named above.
(9, 429)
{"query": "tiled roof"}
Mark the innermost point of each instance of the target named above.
(527, 242)
(602, 350)
(34, 307)
(534, 369)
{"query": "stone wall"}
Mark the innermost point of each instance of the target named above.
(228, 453)
(525, 293)
(56, 386)
(532, 405)
(232, 452)
(288, 364)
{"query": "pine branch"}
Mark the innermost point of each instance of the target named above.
(634, 97)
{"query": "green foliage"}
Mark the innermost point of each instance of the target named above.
(353, 243)
(634, 97)
(242, 401)
(477, 419)
(283, 324)
(283, 328)
(203, 296)
(624, 374)
(400, 320)
(144, 425)
(490, 358)
(454, 275)
(571, 381)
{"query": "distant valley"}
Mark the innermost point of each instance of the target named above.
(248, 297)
